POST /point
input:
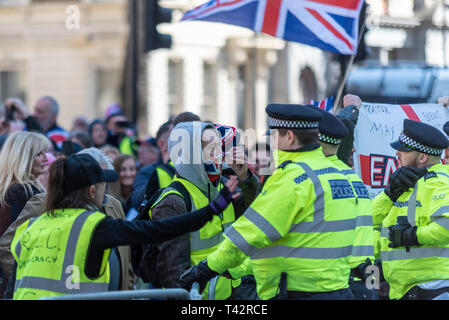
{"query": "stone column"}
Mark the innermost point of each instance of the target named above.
(157, 70)
(192, 83)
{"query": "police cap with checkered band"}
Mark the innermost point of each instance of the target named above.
(332, 130)
(292, 116)
(421, 137)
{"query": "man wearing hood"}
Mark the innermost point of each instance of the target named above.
(196, 151)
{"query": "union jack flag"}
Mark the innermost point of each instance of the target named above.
(327, 24)
(325, 104)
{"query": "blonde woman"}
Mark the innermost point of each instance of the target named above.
(22, 160)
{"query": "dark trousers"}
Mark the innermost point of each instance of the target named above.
(417, 293)
(342, 294)
(361, 292)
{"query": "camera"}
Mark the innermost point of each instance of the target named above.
(123, 124)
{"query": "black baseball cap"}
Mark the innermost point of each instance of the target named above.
(82, 170)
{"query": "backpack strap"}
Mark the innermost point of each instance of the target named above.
(178, 186)
(153, 182)
(169, 169)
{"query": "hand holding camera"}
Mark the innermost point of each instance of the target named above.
(16, 109)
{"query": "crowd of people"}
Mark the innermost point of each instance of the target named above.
(169, 211)
(32, 143)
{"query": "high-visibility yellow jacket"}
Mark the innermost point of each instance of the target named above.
(427, 207)
(51, 253)
(163, 176)
(363, 246)
(302, 223)
(206, 240)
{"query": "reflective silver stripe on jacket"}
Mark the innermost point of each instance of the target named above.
(260, 222)
(418, 252)
(411, 210)
(212, 287)
(438, 217)
(362, 251)
(443, 174)
(415, 253)
(384, 232)
(302, 252)
(61, 286)
(364, 221)
(263, 224)
(319, 224)
(196, 243)
(18, 246)
(240, 242)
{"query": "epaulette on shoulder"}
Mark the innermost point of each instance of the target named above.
(430, 174)
(284, 164)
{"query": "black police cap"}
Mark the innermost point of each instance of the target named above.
(292, 116)
(82, 170)
(421, 137)
(332, 130)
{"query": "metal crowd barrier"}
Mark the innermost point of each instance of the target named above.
(179, 294)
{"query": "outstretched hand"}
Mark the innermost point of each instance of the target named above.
(225, 196)
(232, 184)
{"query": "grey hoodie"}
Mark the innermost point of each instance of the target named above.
(185, 148)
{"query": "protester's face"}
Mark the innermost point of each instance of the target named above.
(99, 134)
(147, 154)
(43, 114)
(409, 158)
(128, 172)
(39, 164)
(259, 160)
(80, 124)
(211, 144)
(112, 124)
(162, 142)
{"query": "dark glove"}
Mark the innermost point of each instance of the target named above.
(199, 273)
(403, 179)
(360, 270)
(402, 234)
(223, 199)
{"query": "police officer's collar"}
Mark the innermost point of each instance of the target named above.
(309, 147)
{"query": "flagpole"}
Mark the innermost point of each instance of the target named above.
(348, 68)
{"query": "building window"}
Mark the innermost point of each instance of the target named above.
(208, 109)
(11, 85)
(175, 87)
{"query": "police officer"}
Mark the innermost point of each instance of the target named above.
(414, 216)
(332, 132)
(299, 231)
